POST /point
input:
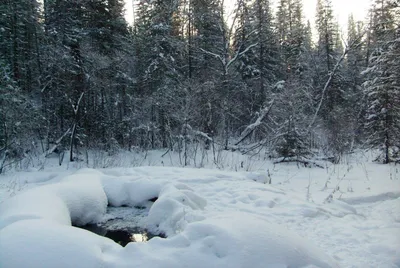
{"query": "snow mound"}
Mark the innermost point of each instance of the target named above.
(128, 192)
(34, 204)
(84, 196)
(175, 208)
(77, 198)
(244, 240)
(41, 243)
(235, 240)
(258, 177)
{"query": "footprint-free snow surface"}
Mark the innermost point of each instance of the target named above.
(211, 218)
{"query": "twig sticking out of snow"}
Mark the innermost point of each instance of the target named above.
(329, 198)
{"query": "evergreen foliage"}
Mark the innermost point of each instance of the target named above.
(382, 125)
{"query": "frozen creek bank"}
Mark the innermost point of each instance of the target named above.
(211, 219)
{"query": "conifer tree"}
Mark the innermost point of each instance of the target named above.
(265, 56)
(295, 48)
(333, 110)
(353, 79)
(160, 53)
(291, 35)
(20, 67)
(382, 125)
(19, 47)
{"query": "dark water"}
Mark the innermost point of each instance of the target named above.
(123, 226)
(122, 236)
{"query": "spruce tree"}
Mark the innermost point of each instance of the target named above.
(291, 32)
(353, 79)
(333, 110)
(160, 53)
(20, 67)
(382, 125)
(292, 101)
(19, 47)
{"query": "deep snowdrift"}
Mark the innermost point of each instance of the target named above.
(35, 226)
(78, 198)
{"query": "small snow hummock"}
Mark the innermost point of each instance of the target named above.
(176, 206)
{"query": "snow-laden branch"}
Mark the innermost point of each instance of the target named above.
(76, 107)
(202, 134)
(238, 55)
(222, 58)
(54, 147)
(212, 54)
(225, 64)
(250, 128)
(197, 132)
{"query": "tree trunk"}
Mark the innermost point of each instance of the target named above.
(71, 145)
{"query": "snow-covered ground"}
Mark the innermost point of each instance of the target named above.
(345, 215)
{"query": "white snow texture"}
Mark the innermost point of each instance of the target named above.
(36, 231)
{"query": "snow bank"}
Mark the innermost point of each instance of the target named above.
(34, 204)
(128, 192)
(244, 240)
(78, 198)
(360, 199)
(84, 196)
(230, 240)
(36, 223)
(41, 243)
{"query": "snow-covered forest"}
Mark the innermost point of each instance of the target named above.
(76, 77)
(197, 136)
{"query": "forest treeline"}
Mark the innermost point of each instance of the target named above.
(74, 74)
